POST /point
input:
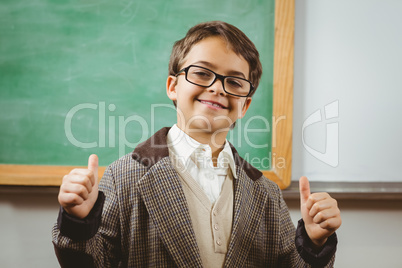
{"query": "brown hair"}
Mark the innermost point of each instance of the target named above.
(234, 37)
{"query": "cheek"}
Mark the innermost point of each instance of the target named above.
(238, 105)
(186, 96)
(189, 92)
(240, 108)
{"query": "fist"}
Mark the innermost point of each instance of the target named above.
(320, 213)
(79, 189)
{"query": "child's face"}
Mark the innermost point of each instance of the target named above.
(195, 111)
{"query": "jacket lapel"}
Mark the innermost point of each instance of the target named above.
(249, 203)
(164, 198)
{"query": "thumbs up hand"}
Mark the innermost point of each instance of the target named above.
(79, 189)
(320, 213)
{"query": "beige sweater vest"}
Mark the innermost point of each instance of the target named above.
(212, 223)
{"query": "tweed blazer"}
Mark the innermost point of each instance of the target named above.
(141, 219)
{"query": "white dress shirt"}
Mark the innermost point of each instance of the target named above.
(197, 159)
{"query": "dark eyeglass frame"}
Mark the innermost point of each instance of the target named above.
(217, 76)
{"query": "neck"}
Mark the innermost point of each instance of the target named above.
(216, 139)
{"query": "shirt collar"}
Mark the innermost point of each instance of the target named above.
(184, 147)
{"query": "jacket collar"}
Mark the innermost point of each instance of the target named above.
(155, 148)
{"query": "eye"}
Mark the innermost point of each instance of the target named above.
(234, 82)
(201, 73)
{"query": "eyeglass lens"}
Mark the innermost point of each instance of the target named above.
(205, 77)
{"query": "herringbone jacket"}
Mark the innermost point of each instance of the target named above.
(141, 219)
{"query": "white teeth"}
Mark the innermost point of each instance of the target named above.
(213, 104)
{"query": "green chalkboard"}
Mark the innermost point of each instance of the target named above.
(81, 77)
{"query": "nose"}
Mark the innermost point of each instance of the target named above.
(217, 87)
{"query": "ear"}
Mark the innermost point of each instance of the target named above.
(246, 105)
(171, 87)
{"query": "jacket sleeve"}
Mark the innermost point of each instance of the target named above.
(95, 240)
(306, 250)
(297, 248)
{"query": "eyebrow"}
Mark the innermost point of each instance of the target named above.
(212, 66)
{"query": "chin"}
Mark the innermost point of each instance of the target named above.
(213, 127)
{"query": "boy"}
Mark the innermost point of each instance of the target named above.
(185, 198)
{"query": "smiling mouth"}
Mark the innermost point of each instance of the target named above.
(214, 104)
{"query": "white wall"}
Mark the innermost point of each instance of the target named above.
(350, 51)
(370, 235)
(26, 220)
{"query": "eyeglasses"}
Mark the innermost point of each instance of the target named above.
(204, 77)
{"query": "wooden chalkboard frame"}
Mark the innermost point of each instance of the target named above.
(39, 175)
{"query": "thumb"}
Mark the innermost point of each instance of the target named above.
(304, 187)
(93, 163)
